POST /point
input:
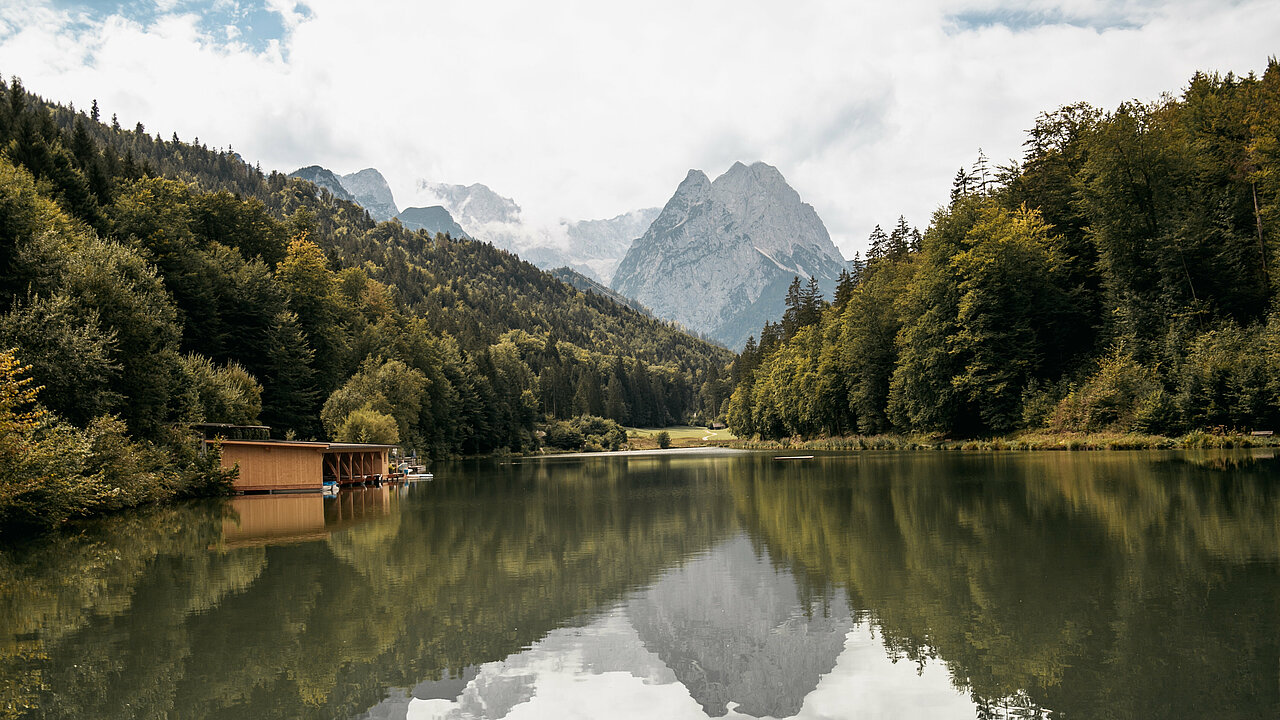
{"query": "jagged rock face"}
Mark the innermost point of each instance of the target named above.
(733, 629)
(434, 219)
(719, 257)
(600, 245)
(370, 189)
(325, 179)
(483, 214)
(474, 204)
(591, 247)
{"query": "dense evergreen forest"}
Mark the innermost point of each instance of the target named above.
(1122, 276)
(149, 283)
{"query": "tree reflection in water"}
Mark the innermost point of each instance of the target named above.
(1121, 585)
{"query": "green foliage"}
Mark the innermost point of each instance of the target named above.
(1010, 292)
(1111, 398)
(585, 432)
(226, 394)
(1151, 229)
(52, 472)
(367, 425)
(563, 435)
(1231, 377)
(70, 352)
(381, 388)
(664, 439)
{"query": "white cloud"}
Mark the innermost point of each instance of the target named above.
(585, 109)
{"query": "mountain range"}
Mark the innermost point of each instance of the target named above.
(718, 258)
(590, 247)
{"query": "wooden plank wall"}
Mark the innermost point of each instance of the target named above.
(275, 467)
(271, 519)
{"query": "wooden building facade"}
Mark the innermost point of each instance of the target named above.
(287, 466)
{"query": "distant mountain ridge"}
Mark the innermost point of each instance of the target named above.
(572, 277)
(591, 247)
(324, 178)
(720, 255)
(370, 189)
(434, 220)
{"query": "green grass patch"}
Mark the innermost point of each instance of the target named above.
(681, 436)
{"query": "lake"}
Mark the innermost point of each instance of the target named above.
(682, 585)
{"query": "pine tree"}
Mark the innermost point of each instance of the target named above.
(857, 269)
(878, 244)
(844, 287)
(93, 113)
(811, 304)
(962, 185)
(794, 301)
(981, 172)
(900, 239)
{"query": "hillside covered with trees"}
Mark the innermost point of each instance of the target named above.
(149, 283)
(1122, 276)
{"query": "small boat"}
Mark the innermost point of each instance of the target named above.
(413, 477)
(330, 488)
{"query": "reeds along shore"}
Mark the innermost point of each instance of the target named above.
(1027, 441)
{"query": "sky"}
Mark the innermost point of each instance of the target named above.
(588, 109)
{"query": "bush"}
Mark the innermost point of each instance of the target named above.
(664, 439)
(586, 432)
(1229, 378)
(563, 435)
(1112, 398)
(219, 394)
(367, 425)
(52, 472)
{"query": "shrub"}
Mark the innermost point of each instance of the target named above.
(368, 425)
(1111, 399)
(563, 435)
(664, 439)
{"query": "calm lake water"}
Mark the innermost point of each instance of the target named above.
(925, 585)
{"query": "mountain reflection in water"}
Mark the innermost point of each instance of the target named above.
(1071, 585)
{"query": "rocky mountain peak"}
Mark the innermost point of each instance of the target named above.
(370, 189)
(323, 178)
(720, 255)
(695, 182)
(474, 205)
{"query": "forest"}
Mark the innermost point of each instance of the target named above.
(1122, 276)
(148, 284)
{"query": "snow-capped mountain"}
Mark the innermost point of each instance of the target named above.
(591, 247)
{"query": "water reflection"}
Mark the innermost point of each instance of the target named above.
(1119, 585)
(725, 635)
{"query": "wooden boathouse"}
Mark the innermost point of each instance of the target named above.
(268, 466)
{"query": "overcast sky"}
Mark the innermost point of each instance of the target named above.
(589, 109)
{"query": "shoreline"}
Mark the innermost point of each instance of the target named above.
(695, 450)
(1196, 440)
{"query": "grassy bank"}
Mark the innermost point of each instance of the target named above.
(682, 436)
(1023, 441)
